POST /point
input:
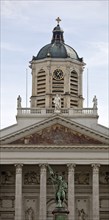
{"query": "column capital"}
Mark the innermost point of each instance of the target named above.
(95, 167)
(71, 167)
(18, 167)
(43, 166)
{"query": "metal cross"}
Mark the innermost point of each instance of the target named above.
(58, 20)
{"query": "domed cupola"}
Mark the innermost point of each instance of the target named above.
(57, 48)
(57, 71)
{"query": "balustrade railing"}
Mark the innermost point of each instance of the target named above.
(43, 111)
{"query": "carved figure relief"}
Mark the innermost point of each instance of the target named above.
(29, 214)
(57, 134)
(82, 208)
(82, 178)
(104, 178)
(7, 177)
(31, 178)
(82, 215)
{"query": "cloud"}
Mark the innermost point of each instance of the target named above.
(97, 53)
(10, 47)
(14, 10)
(27, 9)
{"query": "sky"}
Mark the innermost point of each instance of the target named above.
(26, 26)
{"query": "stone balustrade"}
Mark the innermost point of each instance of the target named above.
(63, 111)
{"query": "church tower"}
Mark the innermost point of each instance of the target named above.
(57, 70)
(55, 133)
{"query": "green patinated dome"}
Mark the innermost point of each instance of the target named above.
(57, 48)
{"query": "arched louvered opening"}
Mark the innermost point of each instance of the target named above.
(58, 86)
(41, 88)
(74, 89)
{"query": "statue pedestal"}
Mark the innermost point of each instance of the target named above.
(60, 213)
(57, 111)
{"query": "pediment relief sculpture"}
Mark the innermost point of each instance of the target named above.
(57, 135)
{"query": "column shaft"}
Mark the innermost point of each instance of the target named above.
(95, 190)
(71, 192)
(18, 192)
(42, 192)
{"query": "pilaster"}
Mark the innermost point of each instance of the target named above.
(71, 191)
(95, 191)
(42, 211)
(18, 192)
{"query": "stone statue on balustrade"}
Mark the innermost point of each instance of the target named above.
(95, 102)
(57, 102)
(19, 100)
(60, 187)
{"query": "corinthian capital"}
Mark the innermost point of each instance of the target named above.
(96, 167)
(18, 168)
(43, 167)
(71, 167)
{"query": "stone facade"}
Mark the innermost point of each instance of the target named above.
(69, 139)
(36, 193)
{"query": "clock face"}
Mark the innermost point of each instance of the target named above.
(58, 74)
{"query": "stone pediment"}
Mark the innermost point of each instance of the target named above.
(57, 134)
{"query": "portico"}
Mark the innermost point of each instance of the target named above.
(80, 177)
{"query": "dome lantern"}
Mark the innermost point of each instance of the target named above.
(57, 48)
(57, 33)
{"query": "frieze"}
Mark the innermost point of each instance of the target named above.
(82, 178)
(7, 178)
(57, 135)
(31, 178)
(104, 178)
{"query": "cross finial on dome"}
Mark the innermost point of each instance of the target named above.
(58, 20)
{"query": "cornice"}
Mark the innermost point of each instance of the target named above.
(54, 148)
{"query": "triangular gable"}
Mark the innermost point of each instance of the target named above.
(56, 135)
(69, 133)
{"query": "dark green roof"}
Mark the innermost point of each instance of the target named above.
(57, 48)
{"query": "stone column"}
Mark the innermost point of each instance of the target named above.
(18, 192)
(42, 211)
(95, 191)
(71, 191)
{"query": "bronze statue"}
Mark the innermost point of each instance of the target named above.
(60, 186)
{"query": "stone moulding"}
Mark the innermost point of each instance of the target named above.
(53, 147)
